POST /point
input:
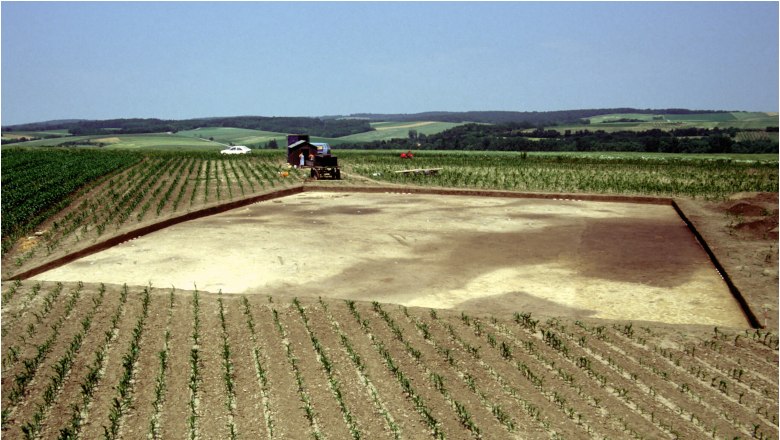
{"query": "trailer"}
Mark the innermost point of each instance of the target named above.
(316, 156)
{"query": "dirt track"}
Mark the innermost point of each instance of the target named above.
(488, 255)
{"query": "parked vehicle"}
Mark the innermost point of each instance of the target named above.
(237, 149)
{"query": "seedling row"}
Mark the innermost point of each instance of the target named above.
(150, 189)
(95, 361)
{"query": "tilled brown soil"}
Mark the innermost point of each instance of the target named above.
(340, 369)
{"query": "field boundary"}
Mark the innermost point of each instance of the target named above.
(217, 209)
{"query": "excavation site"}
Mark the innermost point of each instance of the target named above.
(492, 255)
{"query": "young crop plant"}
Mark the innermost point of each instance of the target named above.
(9, 294)
(418, 401)
(94, 374)
(260, 371)
(311, 416)
(190, 167)
(217, 180)
(145, 207)
(32, 327)
(224, 167)
(227, 364)
(357, 361)
(327, 365)
(62, 368)
(245, 175)
(30, 366)
(206, 184)
(174, 184)
(32, 194)
(160, 383)
(195, 365)
(138, 192)
(197, 179)
(235, 174)
(122, 402)
(467, 378)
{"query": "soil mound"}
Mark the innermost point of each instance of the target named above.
(757, 212)
(746, 209)
(762, 228)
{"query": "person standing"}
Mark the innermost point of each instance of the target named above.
(300, 160)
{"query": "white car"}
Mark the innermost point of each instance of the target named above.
(238, 149)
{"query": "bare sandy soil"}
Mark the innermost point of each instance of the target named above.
(487, 255)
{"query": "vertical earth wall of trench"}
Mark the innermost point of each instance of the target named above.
(751, 317)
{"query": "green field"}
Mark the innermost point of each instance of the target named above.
(383, 131)
(199, 139)
(28, 134)
(741, 120)
(395, 130)
(236, 136)
(154, 141)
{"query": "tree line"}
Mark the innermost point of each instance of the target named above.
(314, 126)
(529, 118)
(516, 137)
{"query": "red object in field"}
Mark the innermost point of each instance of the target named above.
(407, 155)
(403, 155)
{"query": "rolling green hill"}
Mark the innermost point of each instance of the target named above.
(215, 138)
(613, 122)
(158, 141)
(236, 136)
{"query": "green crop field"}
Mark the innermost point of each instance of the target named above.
(608, 122)
(237, 136)
(155, 141)
(715, 176)
(214, 138)
(395, 130)
(28, 134)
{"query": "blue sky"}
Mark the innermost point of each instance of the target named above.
(102, 60)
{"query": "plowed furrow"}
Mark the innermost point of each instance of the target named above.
(213, 411)
(441, 408)
(19, 343)
(717, 402)
(329, 416)
(105, 393)
(389, 391)
(17, 328)
(20, 409)
(628, 381)
(474, 371)
(288, 414)
(71, 394)
(249, 413)
(357, 397)
(455, 385)
(175, 411)
(138, 419)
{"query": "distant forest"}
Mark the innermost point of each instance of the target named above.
(332, 126)
(530, 119)
(515, 137)
(313, 126)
